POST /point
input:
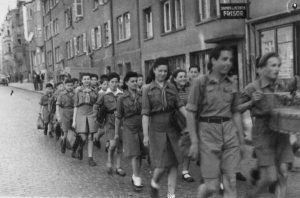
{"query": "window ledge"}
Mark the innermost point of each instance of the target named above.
(108, 45)
(149, 38)
(96, 8)
(78, 19)
(67, 27)
(124, 40)
(96, 49)
(83, 53)
(173, 31)
(210, 20)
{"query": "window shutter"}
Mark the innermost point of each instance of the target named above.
(84, 44)
(71, 48)
(109, 31)
(75, 46)
(74, 11)
(99, 39)
(93, 38)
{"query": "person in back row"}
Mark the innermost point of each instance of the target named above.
(107, 103)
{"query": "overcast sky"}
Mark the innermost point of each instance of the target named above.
(4, 4)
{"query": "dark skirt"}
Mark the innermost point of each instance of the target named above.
(163, 140)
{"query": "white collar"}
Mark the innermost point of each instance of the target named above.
(115, 93)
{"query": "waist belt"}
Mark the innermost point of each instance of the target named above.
(72, 107)
(214, 119)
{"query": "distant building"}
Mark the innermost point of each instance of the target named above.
(15, 57)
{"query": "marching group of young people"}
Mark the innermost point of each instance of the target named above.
(138, 117)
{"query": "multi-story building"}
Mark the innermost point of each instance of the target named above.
(185, 31)
(275, 27)
(15, 58)
(33, 33)
(78, 37)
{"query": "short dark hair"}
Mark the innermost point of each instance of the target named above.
(75, 80)
(194, 66)
(175, 74)
(264, 59)
(215, 53)
(69, 81)
(49, 85)
(103, 78)
(128, 75)
(58, 83)
(140, 75)
(94, 76)
(159, 61)
(85, 74)
(113, 75)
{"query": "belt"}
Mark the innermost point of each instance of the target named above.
(68, 107)
(214, 119)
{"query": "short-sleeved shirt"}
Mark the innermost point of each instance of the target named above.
(183, 94)
(128, 106)
(109, 100)
(152, 99)
(262, 107)
(208, 97)
(82, 93)
(45, 99)
(66, 99)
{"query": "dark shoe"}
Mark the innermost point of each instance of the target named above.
(74, 154)
(255, 176)
(80, 153)
(50, 134)
(240, 177)
(45, 132)
(120, 172)
(154, 193)
(272, 187)
(187, 177)
(92, 162)
(97, 144)
(63, 145)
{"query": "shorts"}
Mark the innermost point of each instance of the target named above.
(219, 149)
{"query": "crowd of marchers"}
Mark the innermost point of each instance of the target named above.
(172, 119)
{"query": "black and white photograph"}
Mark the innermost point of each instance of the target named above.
(150, 98)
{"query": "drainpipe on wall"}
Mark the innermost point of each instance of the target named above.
(112, 34)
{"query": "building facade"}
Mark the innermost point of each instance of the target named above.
(275, 27)
(185, 32)
(15, 57)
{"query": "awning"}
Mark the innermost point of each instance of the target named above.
(231, 37)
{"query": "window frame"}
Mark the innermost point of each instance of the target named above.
(177, 24)
(57, 54)
(165, 28)
(208, 13)
(148, 26)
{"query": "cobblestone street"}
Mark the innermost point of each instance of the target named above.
(31, 164)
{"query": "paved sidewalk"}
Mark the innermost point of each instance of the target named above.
(24, 86)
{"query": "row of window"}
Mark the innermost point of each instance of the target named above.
(51, 29)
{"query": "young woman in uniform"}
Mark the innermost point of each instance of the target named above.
(84, 120)
(159, 100)
(109, 102)
(44, 110)
(129, 107)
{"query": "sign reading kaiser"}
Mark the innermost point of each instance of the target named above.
(233, 10)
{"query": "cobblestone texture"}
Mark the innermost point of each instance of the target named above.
(31, 164)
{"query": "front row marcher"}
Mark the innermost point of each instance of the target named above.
(213, 98)
(159, 99)
(273, 149)
(45, 109)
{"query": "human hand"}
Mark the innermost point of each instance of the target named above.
(256, 96)
(146, 141)
(74, 124)
(194, 151)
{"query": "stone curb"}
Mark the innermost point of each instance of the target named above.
(38, 92)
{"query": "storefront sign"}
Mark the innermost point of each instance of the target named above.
(233, 10)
